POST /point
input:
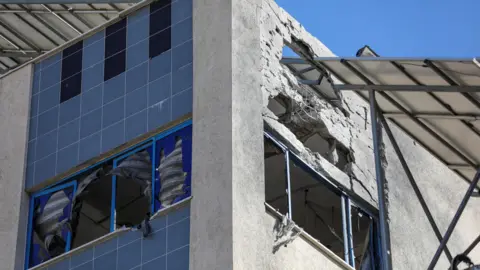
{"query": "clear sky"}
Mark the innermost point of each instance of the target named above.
(408, 28)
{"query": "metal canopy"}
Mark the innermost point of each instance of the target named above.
(28, 30)
(435, 101)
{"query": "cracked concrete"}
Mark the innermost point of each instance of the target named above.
(413, 242)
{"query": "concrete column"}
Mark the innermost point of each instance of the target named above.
(227, 176)
(15, 91)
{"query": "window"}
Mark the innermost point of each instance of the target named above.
(319, 207)
(120, 192)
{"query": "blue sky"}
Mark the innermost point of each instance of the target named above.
(408, 28)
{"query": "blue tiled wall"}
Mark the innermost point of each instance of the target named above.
(166, 249)
(128, 79)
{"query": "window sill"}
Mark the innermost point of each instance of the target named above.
(109, 236)
(307, 237)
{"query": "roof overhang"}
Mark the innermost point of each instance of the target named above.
(436, 101)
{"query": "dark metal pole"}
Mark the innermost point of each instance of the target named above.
(344, 229)
(413, 183)
(380, 185)
(455, 219)
(288, 184)
(472, 246)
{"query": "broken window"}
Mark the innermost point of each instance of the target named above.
(318, 207)
(119, 192)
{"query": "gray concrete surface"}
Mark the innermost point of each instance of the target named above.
(14, 114)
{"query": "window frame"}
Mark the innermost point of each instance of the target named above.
(71, 180)
(346, 204)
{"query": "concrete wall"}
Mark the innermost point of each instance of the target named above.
(14, 112)
(413, 242)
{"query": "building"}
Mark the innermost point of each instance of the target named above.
(177, 136)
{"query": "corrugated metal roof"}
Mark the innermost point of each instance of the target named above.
(435, 101)
(28, 30)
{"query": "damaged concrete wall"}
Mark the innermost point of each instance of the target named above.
(413, 242)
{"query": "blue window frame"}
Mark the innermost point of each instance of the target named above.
(160, 168)
(353, 222)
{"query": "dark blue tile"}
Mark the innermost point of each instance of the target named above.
(182, 103)
(178, 235)
(51, 76)
(34, 105)
(92, 99)
(159, 90)
(160, 66)
(71, 87)
(93, 50)
(182, 79)
(179, 215)
(129, 256)
(160, 17)
(138, 26)
(106, 262)
(67, 158)
(136, 101)
(69, 133)
(72, 60)
(155, 245)
(46, 144)
(158, 223)
(137, 54)
(69, 110)
(113, 112)
(157, 264)
(92, 76)
(49, 98)
(106, 247)
(115, 38)
(30, 177)
(160, 42)
(137, 77)
(32, 128)
(54, 59)
(179, 259)
(113, 136)
(85, 266)
(114, 88)
(62, 265)
(90, 147)
(114, 65)
(45, 168)
(136, 125)
(47, 121)
(181, 9)
(159, 114)
(81, 258)
(36, 83)
(182, 32)
(128, 238)
(31, 151)
(182, 55)
(91, 123)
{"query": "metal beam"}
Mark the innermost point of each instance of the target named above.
(469, 117)
(472, 245)
(66, 1)
(16, 54)
(82, 20)
(57, 11)
(399, 88)
(385, 250)
(73, 27)
(454, 221)
(413, 183)
(19, 36)
(101, 14)
(44, 23)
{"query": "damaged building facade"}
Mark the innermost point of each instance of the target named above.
(174, 137)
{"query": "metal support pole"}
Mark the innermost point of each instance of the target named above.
(344, 228)
(351, 251)
(412, 181)
(455, 219)
(289, 189)
(380, 185)
(472, 246)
